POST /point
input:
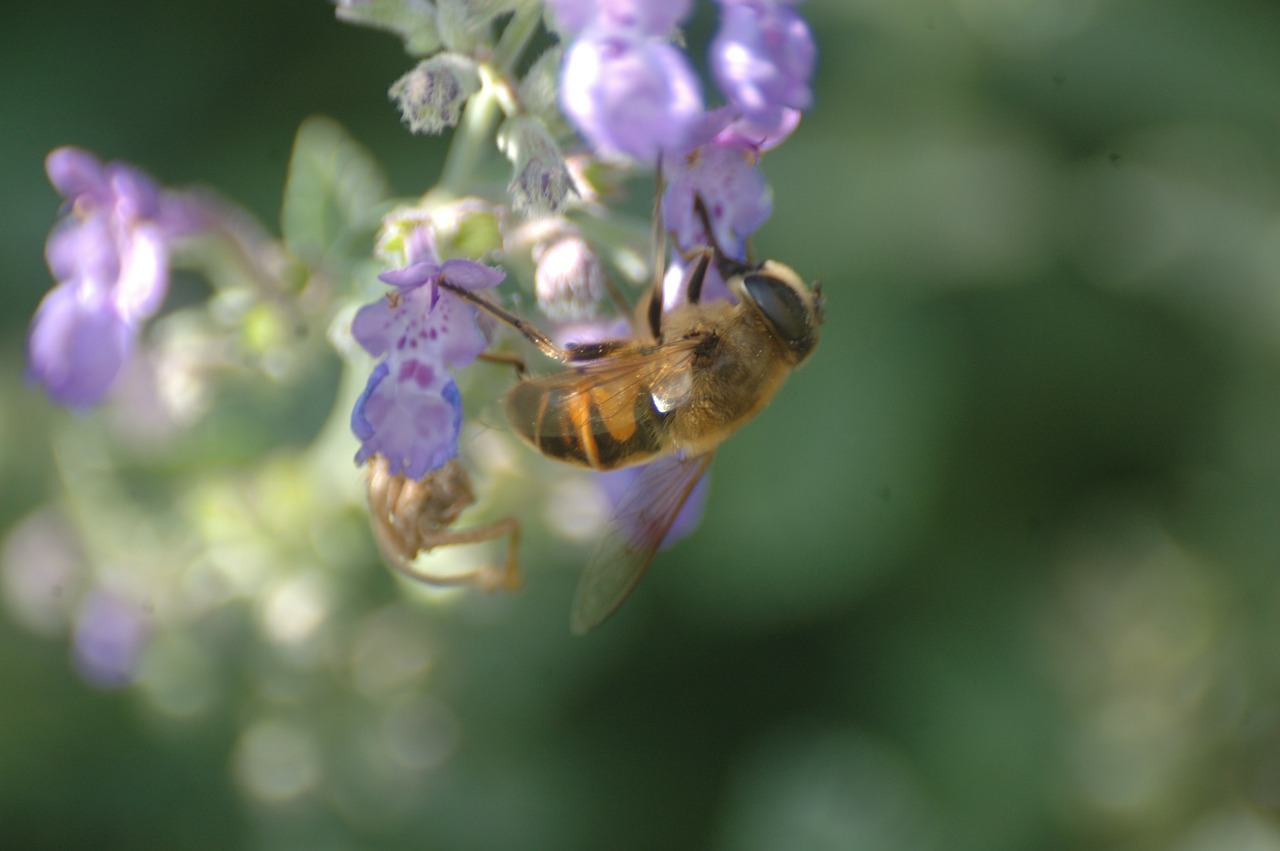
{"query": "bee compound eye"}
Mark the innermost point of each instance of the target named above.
(782, 306)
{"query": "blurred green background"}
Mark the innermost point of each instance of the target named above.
(997, 570)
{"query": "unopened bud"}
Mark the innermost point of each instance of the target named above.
(569, 280)
(432, 95)
(540, 183)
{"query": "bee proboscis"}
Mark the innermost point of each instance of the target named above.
(667, 400)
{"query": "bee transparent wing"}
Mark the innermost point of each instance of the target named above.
(636, 529)
(604, 413)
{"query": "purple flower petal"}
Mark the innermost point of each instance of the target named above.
(648, 17)
(420, 246)
(762, 58)
(452, 332)
(75, 172)
(412, 276)
(733, 190)
(84, 251)
(630, 96)
(135, 194)
(471, 275)
(144, 274)
(371, 327)
(108, 640)
(77, 346)
(412, 419)
(675, 284)
(759, 136)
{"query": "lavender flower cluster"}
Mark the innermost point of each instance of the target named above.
(633, 96)
(621, 79)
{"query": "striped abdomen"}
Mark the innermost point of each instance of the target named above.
(603, 424)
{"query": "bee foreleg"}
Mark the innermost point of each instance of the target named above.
(506, 358)
(727, 265)
(544, 343)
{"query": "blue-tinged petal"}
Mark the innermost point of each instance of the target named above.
(414, 427)
(360, 424)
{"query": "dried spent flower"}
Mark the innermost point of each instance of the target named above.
(411, 516)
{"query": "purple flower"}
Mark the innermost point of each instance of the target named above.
(110, 256)
(737, 198)
(411, 411)
(762, 58)
(757, 135)
(630, 94)
(109, 636)
(644, 16)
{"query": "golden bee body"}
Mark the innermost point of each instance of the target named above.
(716, 368)
(667, 402)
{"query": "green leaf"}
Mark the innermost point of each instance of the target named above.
(333, 197)
(414, 21)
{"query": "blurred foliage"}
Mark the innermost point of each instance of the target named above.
(998, 570)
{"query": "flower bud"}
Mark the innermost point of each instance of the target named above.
(432, 95)
(540, 183)
(569, 280)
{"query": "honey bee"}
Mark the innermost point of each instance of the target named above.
(666, 401)
(409, 516)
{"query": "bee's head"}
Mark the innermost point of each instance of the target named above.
(792, 310)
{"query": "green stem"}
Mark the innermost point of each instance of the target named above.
(515, 38)
(480, 117)
(469, 141)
